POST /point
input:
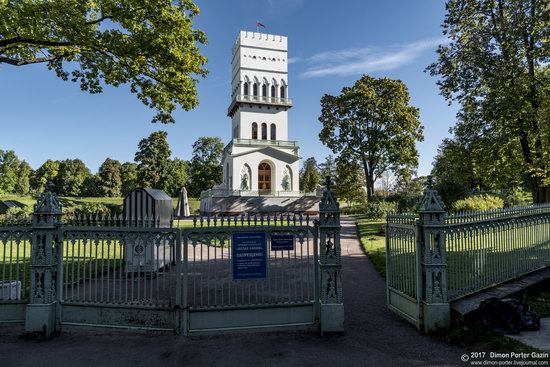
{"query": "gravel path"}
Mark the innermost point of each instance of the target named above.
(374, 336)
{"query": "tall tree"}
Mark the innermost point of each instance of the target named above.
(348, 183)
(128, 176)
(205, 170)
(109, 178)
(149, 44)
(24, 176)
(153, 157)
(496, 67)
(372, 123)
(14, 174)
(47, 171)
(71, 177)
(177, 177)
(309, 175)
(328, 167)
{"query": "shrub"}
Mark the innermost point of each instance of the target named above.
(480, 202)
(379, 209)
(375, 209)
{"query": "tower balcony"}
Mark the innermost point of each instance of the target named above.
(261, 143)
(259, 100)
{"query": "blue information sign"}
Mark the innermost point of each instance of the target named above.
(282, 242)
(249, 250)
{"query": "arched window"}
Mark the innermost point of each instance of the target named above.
(273, 92)
(264, 131)
(282, 92)
(273, 132)
(255, 89)
(264, 90)
(245, 88)
(254, 130)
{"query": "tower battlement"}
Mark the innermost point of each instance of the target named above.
(262, 40)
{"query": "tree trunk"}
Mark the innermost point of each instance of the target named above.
(369, 178)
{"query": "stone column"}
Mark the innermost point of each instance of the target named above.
(330, 264)
(45, 244)
(435, 305)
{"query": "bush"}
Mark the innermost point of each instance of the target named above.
(480, 202)
(86, 209)
(379, 209)
(375, 209)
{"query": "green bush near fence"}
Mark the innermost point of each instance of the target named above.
(375, 209)
(480, 202)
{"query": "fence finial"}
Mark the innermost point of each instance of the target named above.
(328, 182)
(431, 202)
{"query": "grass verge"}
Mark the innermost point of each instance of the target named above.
(373, 242)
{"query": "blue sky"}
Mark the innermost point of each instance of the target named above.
(331, 44)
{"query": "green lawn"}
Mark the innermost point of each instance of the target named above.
(373, 243)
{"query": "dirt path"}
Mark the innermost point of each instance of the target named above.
(374, 337)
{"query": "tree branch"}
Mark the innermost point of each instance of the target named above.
(15, 40)
(99, 20)
(16, 62)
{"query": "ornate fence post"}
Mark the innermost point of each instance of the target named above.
(41, 311)
(436, 311)
(330, 266)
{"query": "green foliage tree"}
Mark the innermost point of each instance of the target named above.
(348, 182)
(177, 177)
(153, 159)
(14, 174)
(24, 176)
(149, 44)
(71, 177)
(328, 167)
(205, 170)
(48, 170)
(453, 171)
(90, 187)
(309, 175)
(496, 67)
(373, 124)
(128, 177)
(109, 178)
(408, 192)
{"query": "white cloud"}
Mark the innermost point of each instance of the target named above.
(366, 60)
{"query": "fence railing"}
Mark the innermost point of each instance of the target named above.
(15, 251)
(434, 257)
(497, 247)
(97, 269)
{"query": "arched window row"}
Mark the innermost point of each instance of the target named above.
(264, 136)
(255, 88)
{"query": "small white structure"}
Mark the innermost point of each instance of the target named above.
(147, 252)
(182, 210)
(259, 160)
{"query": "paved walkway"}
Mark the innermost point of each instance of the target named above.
(374, 337)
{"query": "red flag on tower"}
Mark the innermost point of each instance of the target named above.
(258, 25)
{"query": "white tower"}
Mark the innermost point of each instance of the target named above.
(260, 160)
